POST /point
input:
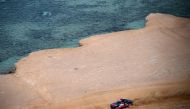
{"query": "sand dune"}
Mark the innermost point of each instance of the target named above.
(165, 96)
(149, 65)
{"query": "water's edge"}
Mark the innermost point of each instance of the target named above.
(27, 26)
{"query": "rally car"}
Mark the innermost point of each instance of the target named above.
(122, 103)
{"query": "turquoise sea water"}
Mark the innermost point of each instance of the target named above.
(31, 25)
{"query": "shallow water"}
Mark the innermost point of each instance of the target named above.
(31, 25)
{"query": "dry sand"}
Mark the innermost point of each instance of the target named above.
(149, 65)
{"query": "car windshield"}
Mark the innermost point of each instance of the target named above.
(118, 102)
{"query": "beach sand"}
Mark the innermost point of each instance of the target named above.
(150, 66)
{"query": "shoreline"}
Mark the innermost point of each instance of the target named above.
(103, 65)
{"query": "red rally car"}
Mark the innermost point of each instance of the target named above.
(122, 103)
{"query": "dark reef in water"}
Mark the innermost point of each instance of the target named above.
(10, 70)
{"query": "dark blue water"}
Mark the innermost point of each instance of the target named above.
(31, 25)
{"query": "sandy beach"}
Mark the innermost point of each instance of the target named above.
(150, 66)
